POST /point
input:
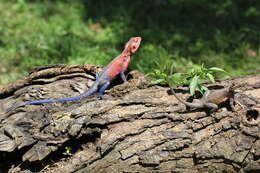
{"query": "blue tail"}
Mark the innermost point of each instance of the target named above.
(86, 94)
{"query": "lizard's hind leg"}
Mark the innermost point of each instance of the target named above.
(212, 106)
(102, 89)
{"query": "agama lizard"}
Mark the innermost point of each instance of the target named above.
(210, 99)
(117, 66)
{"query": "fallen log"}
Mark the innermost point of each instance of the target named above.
(137, 127)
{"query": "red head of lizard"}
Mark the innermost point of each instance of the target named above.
(132, 45)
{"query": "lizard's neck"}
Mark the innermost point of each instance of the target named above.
(126, 52)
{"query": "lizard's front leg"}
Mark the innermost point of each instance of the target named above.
(123, 77)
(212, 106)
(103, 88)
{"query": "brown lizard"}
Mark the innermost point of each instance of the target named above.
(210, 99)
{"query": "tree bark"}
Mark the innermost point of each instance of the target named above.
(136, 127)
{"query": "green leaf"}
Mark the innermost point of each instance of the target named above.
(203, 88)
(211, 77)
(177, 76)
(158, 81)
(217, 69)
(176, 79)
(150, 74)
(194, 84)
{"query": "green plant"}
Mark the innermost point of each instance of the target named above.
(200, 74)
(195, 77)
(68, 151)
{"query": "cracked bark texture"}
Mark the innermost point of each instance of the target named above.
(135, 128)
